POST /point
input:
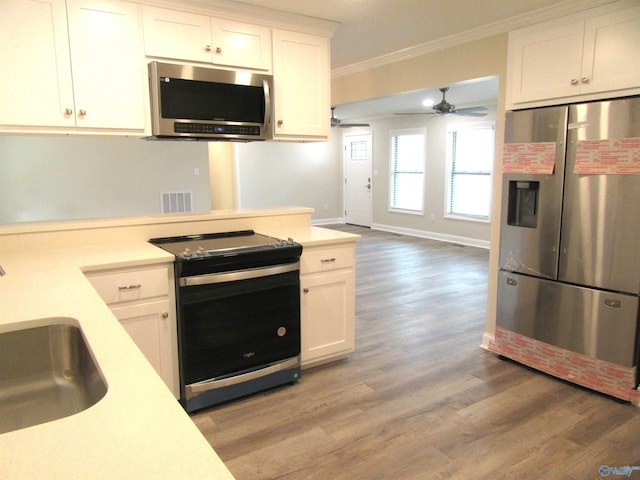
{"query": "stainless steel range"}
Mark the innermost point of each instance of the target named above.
(238, 305)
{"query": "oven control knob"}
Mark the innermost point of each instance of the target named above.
(290, 241)
(187, 253)
(200, 251)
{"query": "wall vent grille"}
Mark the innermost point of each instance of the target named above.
(176, 202)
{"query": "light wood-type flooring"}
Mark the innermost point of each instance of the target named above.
(419, 399)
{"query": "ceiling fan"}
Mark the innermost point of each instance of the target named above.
(335, 122)
(446, 108)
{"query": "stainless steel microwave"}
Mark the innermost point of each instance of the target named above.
(199, 103)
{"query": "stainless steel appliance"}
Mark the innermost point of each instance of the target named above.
(238, 304)
(198, 103)
(568, 292)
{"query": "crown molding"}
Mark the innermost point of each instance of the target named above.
(568, 7)
(231, 10)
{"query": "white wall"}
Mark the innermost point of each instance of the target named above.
(275, 174)
(311, 175)
(432, 222)
(59, 178)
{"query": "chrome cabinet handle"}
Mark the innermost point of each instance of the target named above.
(130, 287)
(207, 48)
(584, 79)
(574, 81)
(68, 111)
(82, 113)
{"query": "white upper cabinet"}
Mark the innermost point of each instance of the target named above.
(109, 78)
(34, 58)
(611, 58)
(102, 46)
(199, 38)
(301, 72)
(590, 54)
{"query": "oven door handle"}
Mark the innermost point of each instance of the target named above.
(237, 275)
(200, 387)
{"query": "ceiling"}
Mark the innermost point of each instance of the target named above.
(372, 28)
(472, 93)
(369, 29)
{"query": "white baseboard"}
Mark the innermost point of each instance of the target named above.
(486, 339)
(443, 237)
(327, 221)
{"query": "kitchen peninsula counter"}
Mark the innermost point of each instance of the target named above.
(138, 430)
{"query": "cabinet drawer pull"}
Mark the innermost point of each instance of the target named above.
(165, 315)
(129, 287)
(327, 260)
(306, 290)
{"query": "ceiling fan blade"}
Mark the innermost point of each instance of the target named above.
(471, 109)
(415, 113)
(462, 113)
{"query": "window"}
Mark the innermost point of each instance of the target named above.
(407, 162)
(470, 162)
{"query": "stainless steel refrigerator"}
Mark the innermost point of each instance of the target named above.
(568, 290)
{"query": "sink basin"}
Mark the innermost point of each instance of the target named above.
(46, 373)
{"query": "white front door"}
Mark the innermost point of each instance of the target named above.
(358, 166)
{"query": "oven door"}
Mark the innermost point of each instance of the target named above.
(234, 324)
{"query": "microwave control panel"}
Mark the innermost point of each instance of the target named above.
(213, 129)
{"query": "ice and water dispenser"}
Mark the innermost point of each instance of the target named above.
(522, 208)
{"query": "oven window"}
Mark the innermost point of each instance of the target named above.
(226, 328)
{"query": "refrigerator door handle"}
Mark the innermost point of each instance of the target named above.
(612, 303)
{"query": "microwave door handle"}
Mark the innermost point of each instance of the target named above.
(267, 103)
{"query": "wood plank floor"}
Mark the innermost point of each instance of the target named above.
(419, 399)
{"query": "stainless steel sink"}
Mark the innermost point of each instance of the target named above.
(46, 373)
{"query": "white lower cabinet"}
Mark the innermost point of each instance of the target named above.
(142, 299)
(327, 284)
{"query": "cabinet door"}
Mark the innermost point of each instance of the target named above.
(34, 58)
(545, 63)
(241, 44)
(327, 315)
(151, 326)
(109, 76)
(612, 52)
(301, 71)
(177, 35)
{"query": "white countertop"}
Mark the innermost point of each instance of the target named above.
(138, 430)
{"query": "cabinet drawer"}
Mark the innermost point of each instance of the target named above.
(325, 259)
(124, 286)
